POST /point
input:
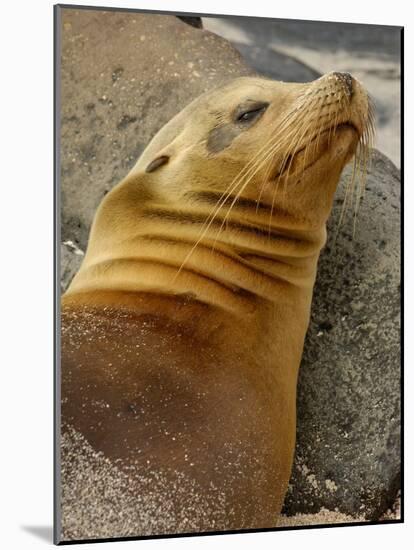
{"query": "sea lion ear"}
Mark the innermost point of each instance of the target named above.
(156, 163)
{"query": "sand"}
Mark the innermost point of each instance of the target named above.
(99, 501)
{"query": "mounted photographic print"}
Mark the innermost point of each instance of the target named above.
(228, 231)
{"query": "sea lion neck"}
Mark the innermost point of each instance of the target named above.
(230, 263)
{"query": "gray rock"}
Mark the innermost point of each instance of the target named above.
(348, 428)
(355, 38)
(123, 77)
(276, 65)
(70, 260)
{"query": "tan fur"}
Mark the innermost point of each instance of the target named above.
(199, 271)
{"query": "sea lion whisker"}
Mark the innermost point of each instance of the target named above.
(285, 159)
(235, 200)
(236, 182)
(251, 173)
(272, 152)
(344, 203)
(273, 203)
(206, 226)
(262, 151)
(316, 139)
(270, 164)
(364, 150)
(298, 139)
(226, 194)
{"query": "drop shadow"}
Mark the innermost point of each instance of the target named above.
(44, 532)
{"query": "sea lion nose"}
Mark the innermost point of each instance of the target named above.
(346, 79)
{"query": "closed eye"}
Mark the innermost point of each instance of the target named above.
(251, 113)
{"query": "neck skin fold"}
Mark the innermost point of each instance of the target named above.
(233, 261)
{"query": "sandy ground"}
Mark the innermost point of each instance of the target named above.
(94, 490)
(324, 517)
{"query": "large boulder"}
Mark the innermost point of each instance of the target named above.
(348, 427)
(124, 75)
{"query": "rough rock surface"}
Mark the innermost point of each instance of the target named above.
(123, 77)
(348, 440)
(70, 260)
(277, 65)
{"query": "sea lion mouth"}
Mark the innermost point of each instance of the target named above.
(308, 154)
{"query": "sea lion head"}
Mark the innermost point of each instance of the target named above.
(282, 145)
(232, 193)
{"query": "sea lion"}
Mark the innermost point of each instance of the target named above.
(183, 330)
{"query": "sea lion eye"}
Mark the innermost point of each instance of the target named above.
(251, 113)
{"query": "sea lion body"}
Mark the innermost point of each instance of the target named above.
(183, 330)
